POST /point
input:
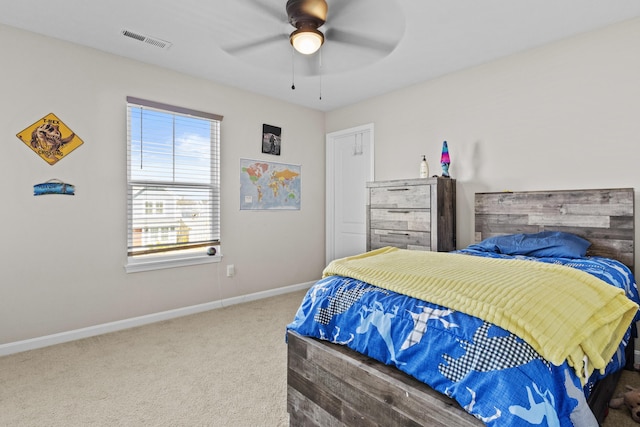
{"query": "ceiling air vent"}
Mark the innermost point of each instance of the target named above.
(146, 39)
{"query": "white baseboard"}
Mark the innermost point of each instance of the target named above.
(45, 341)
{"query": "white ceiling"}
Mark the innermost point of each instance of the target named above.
(406, 41)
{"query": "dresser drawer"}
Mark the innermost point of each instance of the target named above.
(401, 219)
(407, 196)
(417, 240)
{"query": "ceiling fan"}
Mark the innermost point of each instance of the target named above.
(348, 33)
(307, 16)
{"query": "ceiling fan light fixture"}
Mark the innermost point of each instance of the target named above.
(307, 40)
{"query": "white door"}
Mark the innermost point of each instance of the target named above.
(350, 159)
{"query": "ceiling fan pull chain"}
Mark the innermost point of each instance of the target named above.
(293, 69)
(320, 72)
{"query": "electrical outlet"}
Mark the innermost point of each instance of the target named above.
(231, 270)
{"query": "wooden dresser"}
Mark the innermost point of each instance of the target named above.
(412, 214)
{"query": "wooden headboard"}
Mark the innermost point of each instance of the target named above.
(604, 217)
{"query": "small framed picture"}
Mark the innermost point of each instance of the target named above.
(271, 139)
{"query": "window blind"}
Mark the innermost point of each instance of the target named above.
(173, 178)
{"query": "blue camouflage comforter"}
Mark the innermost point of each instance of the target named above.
(493, 374)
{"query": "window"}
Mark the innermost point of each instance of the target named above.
(173, 179)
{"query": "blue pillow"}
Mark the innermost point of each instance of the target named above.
(543, 244)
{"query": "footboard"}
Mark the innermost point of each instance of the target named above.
(330, 385)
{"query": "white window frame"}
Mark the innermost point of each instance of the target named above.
(182, 257)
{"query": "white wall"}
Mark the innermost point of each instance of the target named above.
(563, 116)
(62, 257)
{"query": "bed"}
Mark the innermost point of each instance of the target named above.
(336, 377)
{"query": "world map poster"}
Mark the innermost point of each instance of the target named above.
(269, 185)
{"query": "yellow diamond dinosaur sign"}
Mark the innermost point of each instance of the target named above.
(50, 139)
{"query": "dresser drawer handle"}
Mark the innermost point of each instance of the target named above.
(404, 212)
(397, 189)
(399, 234)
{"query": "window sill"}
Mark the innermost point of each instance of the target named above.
(158, 262)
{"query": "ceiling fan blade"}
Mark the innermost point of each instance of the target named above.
(278, 14)
(245, 47)
(337, 8)
(359, 40)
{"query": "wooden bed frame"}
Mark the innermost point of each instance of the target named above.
(332, 385)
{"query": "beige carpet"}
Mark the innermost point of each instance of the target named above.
(621, 417)
(226, 367)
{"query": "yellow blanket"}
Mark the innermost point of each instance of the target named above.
(563, 313)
